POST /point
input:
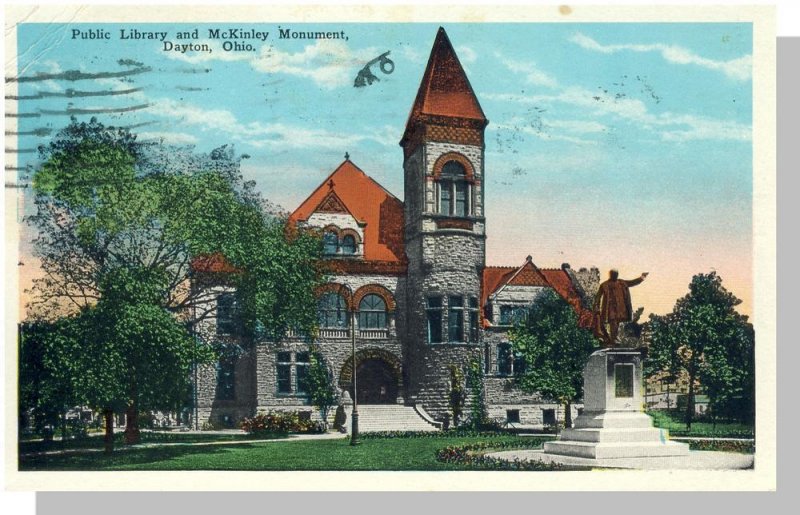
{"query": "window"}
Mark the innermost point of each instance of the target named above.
(333, 245)
(454, 190)
(372, 312)
(455, 319)
(434, 313)
(549, 417)
(284, 372)
(332, 311)
(509, 362)
(226, 381)
(348, 244)
(504, 362)
(445, 200)
(473, 320)
(226, 313)
(330, 242)
(461, 199)
(512, 416)
(301, 364)
(519, 364)
(510, 315)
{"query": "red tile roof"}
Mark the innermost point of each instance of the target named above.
(495, 277)
(212, 263)
(445, 89)
(369, 203)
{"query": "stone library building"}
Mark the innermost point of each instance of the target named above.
(411, 286)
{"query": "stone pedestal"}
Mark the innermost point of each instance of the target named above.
(613, 423)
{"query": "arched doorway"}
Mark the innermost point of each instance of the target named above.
(376, 382)
(379, 376)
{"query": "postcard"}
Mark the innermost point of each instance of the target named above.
(358, 248)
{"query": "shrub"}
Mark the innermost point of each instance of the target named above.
(279, 422)
(473, 456)
(740, 446)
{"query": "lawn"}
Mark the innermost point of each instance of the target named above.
(333, 454)
(674, 422)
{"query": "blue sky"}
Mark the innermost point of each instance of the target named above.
(610, 145)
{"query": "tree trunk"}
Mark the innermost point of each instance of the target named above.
(690, 401)
(108, 439)
(132, 424)
(567, 414)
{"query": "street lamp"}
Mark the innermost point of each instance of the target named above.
(354, 416)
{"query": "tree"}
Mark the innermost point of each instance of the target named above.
(46, 389)
(555, 350)
(478, 415)
(456, 393)
(114, 215)
(319, 385)
(707, 339)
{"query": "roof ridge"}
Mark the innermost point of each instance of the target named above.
(368, 176)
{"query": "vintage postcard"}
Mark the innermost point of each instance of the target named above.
(466, 248)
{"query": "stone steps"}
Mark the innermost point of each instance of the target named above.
(604, 450)
(389, 417)
(647, 434)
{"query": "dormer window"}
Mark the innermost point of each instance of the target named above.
(330, 241)
(339, 243)
(348, 244)
(454, 190)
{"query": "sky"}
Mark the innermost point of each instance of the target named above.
(611, 145)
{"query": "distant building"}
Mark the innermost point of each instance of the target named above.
(415, 274)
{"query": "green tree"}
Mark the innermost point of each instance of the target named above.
(319, 385)
(114, 215)
(706, 338)
(46, 390)
(478, 415)
(456, 393)
(555, 350)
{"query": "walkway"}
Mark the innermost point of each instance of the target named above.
(701, 460)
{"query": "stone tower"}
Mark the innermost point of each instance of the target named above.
(443, 148)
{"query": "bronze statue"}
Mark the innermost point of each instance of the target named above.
(612, 305)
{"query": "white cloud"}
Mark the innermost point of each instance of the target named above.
(171, 138)
(466, 54)
(412, 54)
(577, 126)
(328, 63)
(533, 75)
(260, 135)
(737, 69)
(668, 126)
(48, 67)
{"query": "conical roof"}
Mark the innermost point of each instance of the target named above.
(445, 89)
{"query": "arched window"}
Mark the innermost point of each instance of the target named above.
(454, 190)
(332, 311)
(372, 312)
(348, 244)
(330, 241)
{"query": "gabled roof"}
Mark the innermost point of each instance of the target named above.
(445, 89)
(380, 212)
(495, 278)
(212, 263)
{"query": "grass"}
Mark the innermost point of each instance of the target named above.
(333, 454)
(96, 441)
(674, 422)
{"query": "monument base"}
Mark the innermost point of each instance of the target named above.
(614, 424)
(612, 434)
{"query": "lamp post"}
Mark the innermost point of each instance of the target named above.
(354, 416)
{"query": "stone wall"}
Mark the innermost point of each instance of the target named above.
(586, 281)
(226, 413)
